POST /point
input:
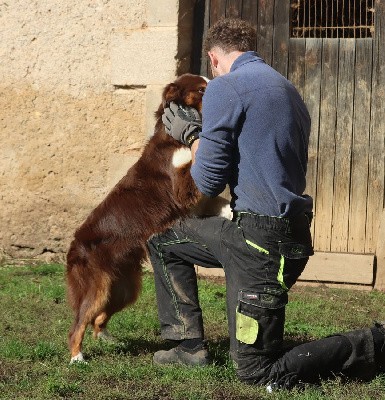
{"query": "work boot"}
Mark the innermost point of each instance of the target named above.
(378, 332)
(380, 326)
(198, 356)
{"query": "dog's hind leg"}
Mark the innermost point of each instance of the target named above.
(100, 331)
(75, 340)
(91, 306)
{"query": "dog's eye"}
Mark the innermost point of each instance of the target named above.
(201, 90)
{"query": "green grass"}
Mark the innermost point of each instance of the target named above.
(34, 357)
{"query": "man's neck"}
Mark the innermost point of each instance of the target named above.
(224, 60)
(229, 59)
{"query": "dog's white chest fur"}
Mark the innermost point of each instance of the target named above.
(181, 157)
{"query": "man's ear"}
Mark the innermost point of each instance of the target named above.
(213, 59)
(171, 92)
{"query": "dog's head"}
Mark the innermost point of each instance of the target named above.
(187, 90)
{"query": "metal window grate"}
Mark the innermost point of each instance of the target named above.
(332, 18)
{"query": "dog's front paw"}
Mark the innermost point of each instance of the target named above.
(78, 359)
(226, 212)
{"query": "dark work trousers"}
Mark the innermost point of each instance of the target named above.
(262, 258)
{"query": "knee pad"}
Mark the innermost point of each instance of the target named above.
(156, 242)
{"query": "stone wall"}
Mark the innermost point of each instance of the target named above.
(79, 83)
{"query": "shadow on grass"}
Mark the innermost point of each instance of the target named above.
(218, 348)
(136, 347)
(126, 347)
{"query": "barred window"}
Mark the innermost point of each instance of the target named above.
(332, 18)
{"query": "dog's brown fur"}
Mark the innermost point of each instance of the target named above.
(104, 259)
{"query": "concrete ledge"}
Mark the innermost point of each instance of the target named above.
(340, 268)
(333, 285)
(332, 268)
(217, 272)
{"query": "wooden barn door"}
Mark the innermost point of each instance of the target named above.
(342, 81)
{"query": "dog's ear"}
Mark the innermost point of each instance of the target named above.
(171, 93)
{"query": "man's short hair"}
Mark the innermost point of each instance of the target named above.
(231, 34)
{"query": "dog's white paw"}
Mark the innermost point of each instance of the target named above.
(78, 359)
(226, 212)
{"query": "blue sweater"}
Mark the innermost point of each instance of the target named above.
(255, 138)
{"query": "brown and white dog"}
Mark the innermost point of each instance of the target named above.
(105, 257)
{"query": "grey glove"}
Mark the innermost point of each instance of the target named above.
(182, 123)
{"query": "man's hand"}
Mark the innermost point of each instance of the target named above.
(182, 123)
